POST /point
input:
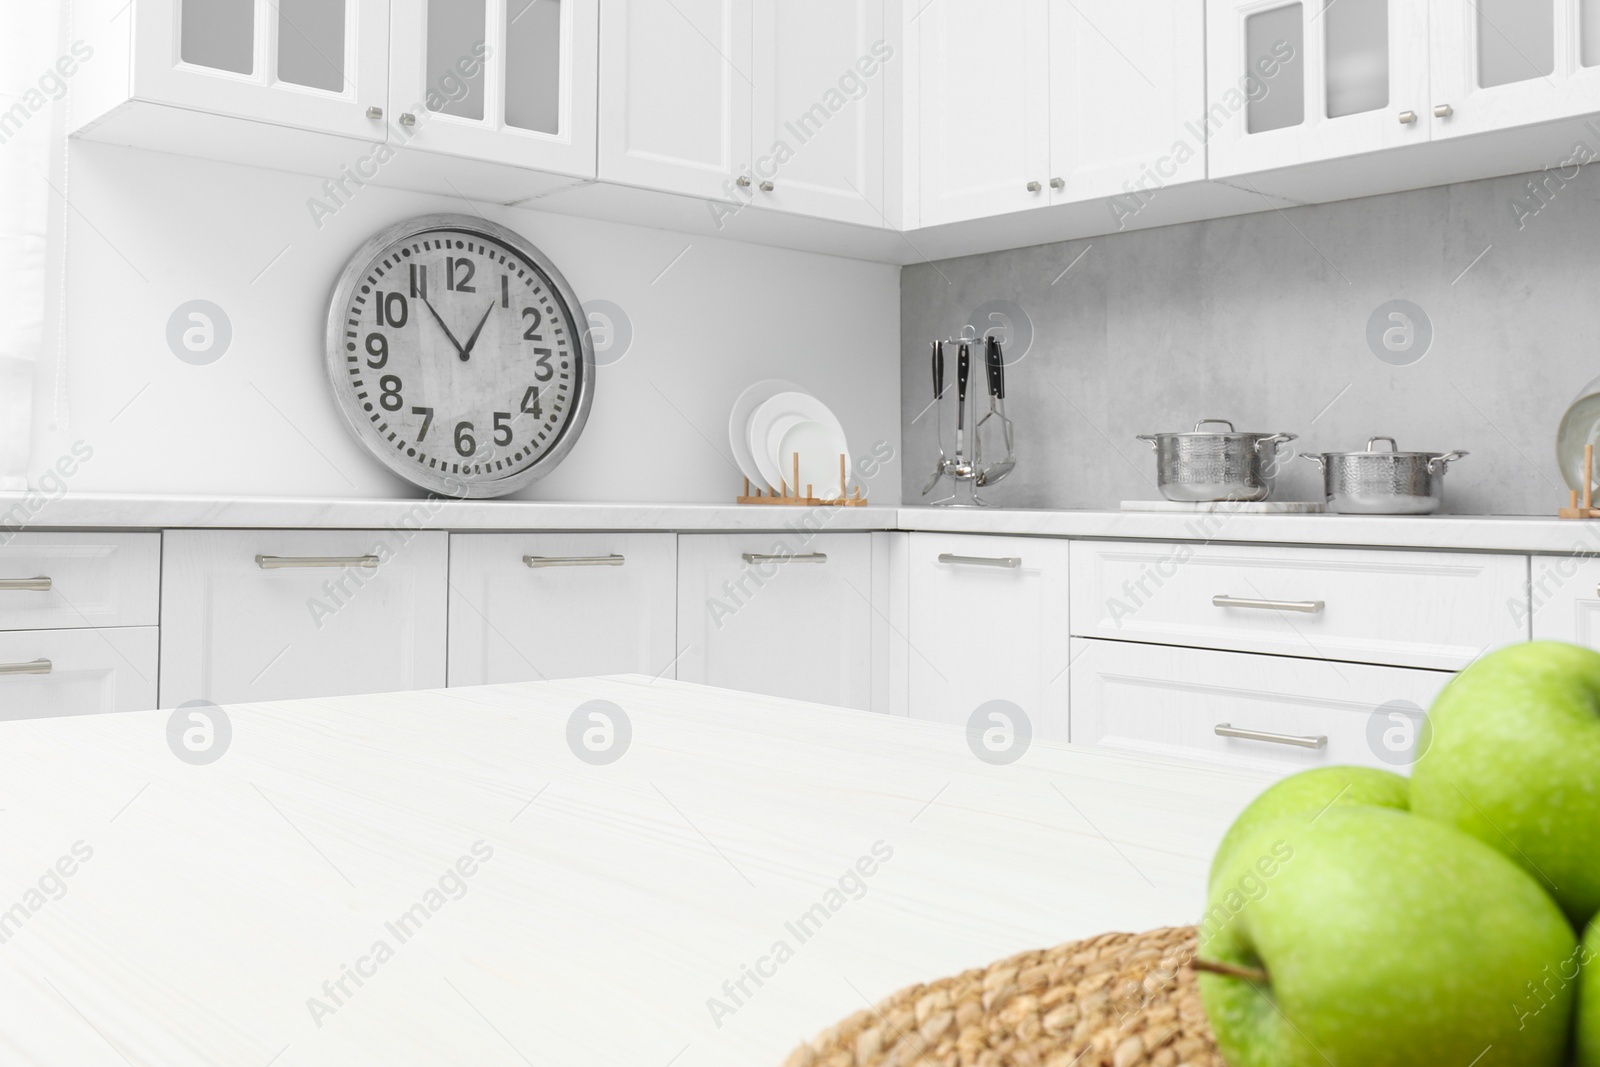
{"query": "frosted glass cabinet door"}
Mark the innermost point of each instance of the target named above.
(1504, 63)
(505, 81)
(312, 64)
(1296, 81)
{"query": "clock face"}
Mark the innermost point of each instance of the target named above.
(459, 355)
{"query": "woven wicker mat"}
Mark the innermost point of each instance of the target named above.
(1118, 1000)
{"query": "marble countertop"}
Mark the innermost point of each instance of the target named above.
(438, 877)
(1458, 532)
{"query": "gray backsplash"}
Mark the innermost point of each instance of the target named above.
(1263, 319)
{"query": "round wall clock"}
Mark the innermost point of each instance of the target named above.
(459, 355)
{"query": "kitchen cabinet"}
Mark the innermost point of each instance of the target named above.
(1296, 81)
(1563, 600)
(1268, 712)
(46, 673)
(532, 606)
(250, 615)
(786, 614)
(79, 580)
(988, 621)
(504, 81)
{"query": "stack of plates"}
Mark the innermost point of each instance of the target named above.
(773, 420)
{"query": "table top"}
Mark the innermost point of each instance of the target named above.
(440, 877)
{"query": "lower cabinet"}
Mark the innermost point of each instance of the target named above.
(778, 613)
(1234, 707)
(250, 615)
(987, 621)
(45, 673)
(531, 606)
(1564, 599)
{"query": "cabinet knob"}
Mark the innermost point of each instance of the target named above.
(1058, 183)
(1443, 111)
(408, 119)
(1407, 117)
(1034, 187)
(742, 182)
(374, 113)
(767, 187)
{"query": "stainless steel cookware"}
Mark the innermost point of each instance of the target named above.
(1202, 467)
(1384, 481)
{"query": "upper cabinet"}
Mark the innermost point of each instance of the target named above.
(506, 81)
(1296, 81)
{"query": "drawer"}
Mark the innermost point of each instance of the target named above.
(77, 672)
(1438, 610)
(529, 606)
(1160, 700)
(1564, 599)
(92, 579)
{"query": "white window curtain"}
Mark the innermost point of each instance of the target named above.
(30, 147)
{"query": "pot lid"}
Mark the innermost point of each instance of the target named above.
(1393, 451)
(1198, 432)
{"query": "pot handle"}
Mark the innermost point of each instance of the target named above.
(1214, 422)
(1275, 439)
(1393, 447)
(1440, 464)
(1151, 438)
(1317, 459)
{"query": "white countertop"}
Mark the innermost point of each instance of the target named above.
(1460, 532)
(617, 900)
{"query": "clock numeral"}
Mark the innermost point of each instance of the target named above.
(377, 351)
(419, 281)
(530, 333)
(389, 392)
(465, 265)
(466, 444)
(427, 420)
(544, 372)
(387, 313)
(530, 403)
(502, 425)
(505, 290)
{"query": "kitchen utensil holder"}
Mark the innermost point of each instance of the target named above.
(1584, 508)
(782, 497)
(967, 472)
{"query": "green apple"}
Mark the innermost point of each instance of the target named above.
(1373, 938)
(1308, 794)
(1515, 762)
(1588, 997)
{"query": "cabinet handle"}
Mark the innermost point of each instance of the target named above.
(38, 666)
(1034, 187)
(281, 563)
(26, 585)
(613, 560)
(1407, 117)
(1008, 562)
(742, 181)
(1058, 183)
(767, 187)
(374, 113)
(407, 119)
(1226, 730)
(1443, 111)
(1307, 607)
(809, 557)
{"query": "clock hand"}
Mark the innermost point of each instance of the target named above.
(445, 328)
(467, 351)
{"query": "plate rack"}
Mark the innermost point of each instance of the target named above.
(1585, 508)
(783, 497)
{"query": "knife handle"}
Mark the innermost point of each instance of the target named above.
(963, 371)
(938, 370)
(996, 366)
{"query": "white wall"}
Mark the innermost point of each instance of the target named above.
(149, 231)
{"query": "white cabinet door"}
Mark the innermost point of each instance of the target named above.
(77, 672)
(981, 105)
(1127, 97)
(70, 580)
(507, 81)
(675, 91)
(778, 614)
(988, 621)
(1294, 81)
(1504, 63)
(251, 615)
(1172, 702)
(820, 81)
(1564, 598)
(312, 64)
(530, 606)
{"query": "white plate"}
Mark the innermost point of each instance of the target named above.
(739, 423)
(798, 422)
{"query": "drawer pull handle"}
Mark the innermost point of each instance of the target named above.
(1008, 562)
(613, 560)
(38, 666)
(25, 585)
(1307, 607)
(809, 557)
(280, 563)
(1227, 730)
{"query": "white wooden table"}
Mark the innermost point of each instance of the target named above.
(223, 903)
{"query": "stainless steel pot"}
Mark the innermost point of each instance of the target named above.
(1388, 482)
(1203, 467)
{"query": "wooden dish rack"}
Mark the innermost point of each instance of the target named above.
(782, 497)
(1584, 508)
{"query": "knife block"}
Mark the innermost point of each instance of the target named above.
(782, 496)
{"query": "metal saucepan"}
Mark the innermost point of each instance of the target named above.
(1203, 467)
(1388, 482)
